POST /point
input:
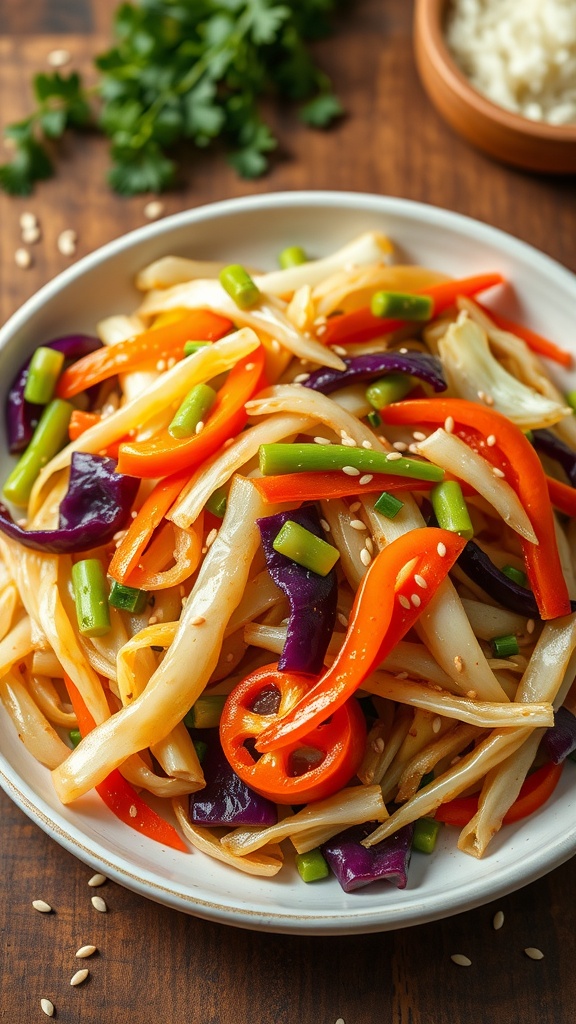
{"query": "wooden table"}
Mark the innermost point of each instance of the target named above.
(155, 965)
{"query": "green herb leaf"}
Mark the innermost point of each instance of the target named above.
(144, 170)
(30, 164)
(321, 111)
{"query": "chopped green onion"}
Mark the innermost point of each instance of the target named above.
(392, 388)
(74, 736)
(48, 438)
(450, 509)
(292, 256)
(303, 458)
(200, 747)
(312, 866)
(571, 399)
(425, 835)
(514, 574)
(504, 646)
(236, 280)
(388, 505)
(374, 419)
(43, 372)
(194, 408)
(426, 779)
(127, 599)
(402, 305)
(217, 502)
(305, 548)
(205, 713)
(91, 597)
(190, 347)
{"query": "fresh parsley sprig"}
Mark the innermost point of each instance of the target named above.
(182, 71)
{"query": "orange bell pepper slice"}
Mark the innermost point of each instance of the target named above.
(542, 346)
(139, 533)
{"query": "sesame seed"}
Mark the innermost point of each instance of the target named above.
(152, 620)
(365, 557)
(366, 444)
(458, 663)
(99, 904)
(355, 506)
(22, 259)
(325, 526)
(436, 724)
(199, 620)
(400, 446)
(66, 242)
(349, 442)
(171, 362)
(497, 471)
(489, 400)
(441, 549)
(133, 811)
(481, 396)
(275, 345)
(153, 209)
(211, 537)
(350, 471)
(229, 442)
(321, 330)
(79, 977)
(249, 366)
(471, 694)
(369, 545)
(393, 456)
(85, 951)
(299, 379)
(366, 479)
(416, 600)
(533, 953)
(161, 365)
(342, 620)
(357, 524)
(403, 601)
(339, 350)
(419, 436)
(491, 440)
(498, 920)
(530, 626)
(322, 440)
(28, 220)
(461, 960)
(401, 675)
(229, 658)
(97, 880)
(378, 745)
(413, 449)
(41, 906)
(319, 321)
(199, 427)
(449, 424)
(47, 1007)
(31, 235)
(339, 1021)
(420, 582)
(59, 58)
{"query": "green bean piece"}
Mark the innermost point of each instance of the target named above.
(392, 388)
(292, 256)
(74, 736)
(127, 599)
(311, 866)
(571, 399)
(388, 505)
(217, 502)
(305, 548)
(48, 438)
(425, 835)
(374, 419)
(514, 574)
(91, 597)
(192, 412)
(190, 347)
(302, 458)
(402, 305)
(205, 713)
(450, 509)
(43, 372)
(236, 280)
(504, 646)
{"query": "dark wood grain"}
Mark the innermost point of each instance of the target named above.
(154, 964)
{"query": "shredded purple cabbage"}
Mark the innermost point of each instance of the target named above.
(417, 364)
(312, 598)
(476, 564)
(560, 740)
(547, 443)
(225, 799)
(96, 505)
(355, 865)
(22, 416)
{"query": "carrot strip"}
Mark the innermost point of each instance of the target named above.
(535, 342)
(139, 533)
(80, 422)
(319, 486)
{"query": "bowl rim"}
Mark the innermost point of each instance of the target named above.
(428, 25)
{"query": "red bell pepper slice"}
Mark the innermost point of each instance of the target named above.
(562, 496)
(524, 473)
(118, 795)
(361, 324)
(534, 341)
(164, 455)
(388, 602)
(535, 791)
(319, 764)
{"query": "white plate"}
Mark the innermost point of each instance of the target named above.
(253, 231)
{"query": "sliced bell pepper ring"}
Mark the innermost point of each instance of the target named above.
(158, 343)
(534, 341)
(535, 791)
(141, 529)
(525, 474)
(361, 324)
(118, 795)
(164, 455)
(387, 604)
(312, 768)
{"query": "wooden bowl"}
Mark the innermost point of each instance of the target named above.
(515, 140)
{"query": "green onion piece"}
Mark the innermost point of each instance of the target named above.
(305, 548)
(388, 505)
(425, 835)
(292, 256)
(48, 438)
(450, 509)
(239, 285)
(194, 408)
(402, 305)
(504, 646)
(529, 435)
(200, 747)
(514, 574)
(374, 419)
(217, 502)
(206, 712)
(127, 599)
(571, 399)
(43, 372)
(426, 779)
(91, 597)
(303, 458)
(190, 347)
(392, 388)
(312, 866)
(74, 736)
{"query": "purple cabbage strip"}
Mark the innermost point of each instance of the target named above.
(476, 564)
(225, 799)
(96, 505)
(312, 598)
(416, 364)
(22, 416)
(547, 443)
(355, 866)
(560, 740)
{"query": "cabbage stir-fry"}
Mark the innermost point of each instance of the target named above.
(293, 551)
